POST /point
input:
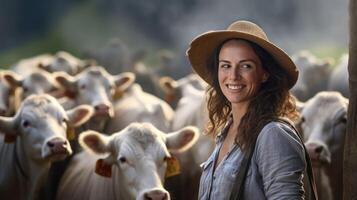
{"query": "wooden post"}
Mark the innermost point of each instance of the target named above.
(350, 153)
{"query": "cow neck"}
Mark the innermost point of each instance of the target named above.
(18, 163)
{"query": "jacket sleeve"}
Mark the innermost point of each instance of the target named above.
(280, 158)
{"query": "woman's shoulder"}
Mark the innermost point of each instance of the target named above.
(277, 133)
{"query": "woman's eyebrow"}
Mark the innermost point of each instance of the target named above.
(245, 60)
(225, 61)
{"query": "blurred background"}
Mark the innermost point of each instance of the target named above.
(159, 31)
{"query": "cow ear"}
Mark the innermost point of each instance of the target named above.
(67, 81)
(7, 127)
(124, 80)
(79, 115)
(95, 142)
(168, 84)
(45, 67)
(182, 140)
(14, 80)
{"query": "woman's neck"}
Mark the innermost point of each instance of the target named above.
(238, 111)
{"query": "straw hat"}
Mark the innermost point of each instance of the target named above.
(202, 47)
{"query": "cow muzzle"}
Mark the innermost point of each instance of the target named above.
(319, 153)
(155, 194)
(103, 110)
(57, 149)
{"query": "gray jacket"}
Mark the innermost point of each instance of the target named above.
(276, 169)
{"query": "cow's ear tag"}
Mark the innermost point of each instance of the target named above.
(170, 97)
(173, 167)
(10, 138)
(103, 169)
(70, 133)
(117, 94)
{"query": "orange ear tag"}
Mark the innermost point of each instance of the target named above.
(70, 133)
(9, 138)
(117, 94)
(173, 167)
(103, 169)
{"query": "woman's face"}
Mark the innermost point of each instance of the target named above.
(240, 71)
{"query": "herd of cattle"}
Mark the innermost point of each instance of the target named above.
(71, 130)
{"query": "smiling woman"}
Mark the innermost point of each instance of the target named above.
(258, 152)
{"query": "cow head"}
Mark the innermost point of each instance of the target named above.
(40, 82)
(96, 87)
(63, 61)
(41, 125)
(174, 89)
(323, 123)
(141, 153)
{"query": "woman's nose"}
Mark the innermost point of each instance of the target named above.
(235, 74)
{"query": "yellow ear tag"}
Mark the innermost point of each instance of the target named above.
(173, 167)
(103, 169)
(70, 133)
(117, 94)
(9, 138)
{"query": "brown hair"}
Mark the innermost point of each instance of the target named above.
(271, 101)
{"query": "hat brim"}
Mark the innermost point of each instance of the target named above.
(203, 46)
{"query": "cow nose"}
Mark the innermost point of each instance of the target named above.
(2, 111)
(101, 108)
(318, 152)
(156, 195)
(58, 146)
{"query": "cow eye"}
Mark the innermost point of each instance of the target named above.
(82, 87)
(166, 158)
(122, 159)
(25, 123)
(302, 119)
(343, 120)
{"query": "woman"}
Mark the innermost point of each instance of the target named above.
(249, 80)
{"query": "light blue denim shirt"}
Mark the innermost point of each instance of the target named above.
(276, 169)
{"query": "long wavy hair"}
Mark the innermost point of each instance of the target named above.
(272, 100)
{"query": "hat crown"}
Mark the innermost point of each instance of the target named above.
(248, 28)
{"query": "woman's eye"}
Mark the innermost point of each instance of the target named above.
(224, 66)
(246, 66)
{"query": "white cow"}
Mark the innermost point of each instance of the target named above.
(192, 110)
(39, 82)
(173, 89)
(135, 158)
(31, 140)
(29, 65)
(66, 62)
(313, 75)
(323, 124)
(96, 87)
(61, 61)
(137, 105)
(339, 77)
